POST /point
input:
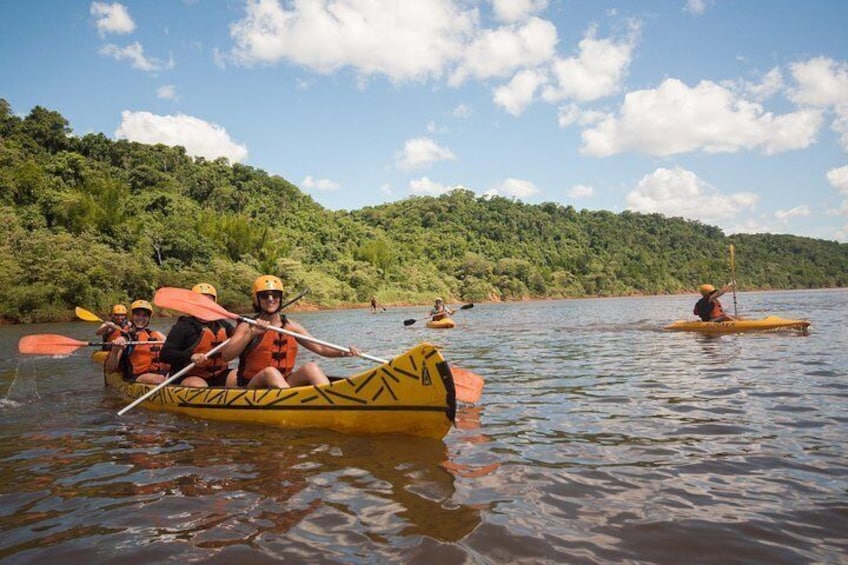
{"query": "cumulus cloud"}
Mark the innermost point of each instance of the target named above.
(320, 184)
(696, 7)
(821, 82)
(427, 187)
(111, 18)
(581, 191)
(838, 179)
(515, 10)
(167, 92)
(597, 71)
(515, 96)
(200, 138)
(678, 192)
(675, 118)
(796, 212)
(421, 152)
(401, 40)
(511, 187)
(500, 52)
(134, 53)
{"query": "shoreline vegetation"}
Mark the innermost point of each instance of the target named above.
(90, 221)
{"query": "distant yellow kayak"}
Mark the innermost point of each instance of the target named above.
(444, 323)
(734, 326)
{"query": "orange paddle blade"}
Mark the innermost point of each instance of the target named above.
(49, 344)
(469, 386)
(191, 303)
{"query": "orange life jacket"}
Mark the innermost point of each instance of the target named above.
(208, 341)
(114, 334)
(707, 310)
(144, 358)
(271, 349)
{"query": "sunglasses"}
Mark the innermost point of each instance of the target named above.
(269, 294)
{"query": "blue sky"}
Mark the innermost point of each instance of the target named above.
(731, 112)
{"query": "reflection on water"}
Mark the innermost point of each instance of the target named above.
(599, 438)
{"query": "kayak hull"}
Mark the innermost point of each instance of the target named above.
(412, 394)
(736, 326)
(99, 356)
(444, 323)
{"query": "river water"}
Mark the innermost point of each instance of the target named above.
(600, 438)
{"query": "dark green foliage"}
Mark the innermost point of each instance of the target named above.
(87, 221)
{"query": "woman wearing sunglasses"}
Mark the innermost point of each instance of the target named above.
(267, 358)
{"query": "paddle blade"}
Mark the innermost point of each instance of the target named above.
(49, 344)
(191, 303)
(466, 306)
(84, 314)
(409, 322)
(469, 386)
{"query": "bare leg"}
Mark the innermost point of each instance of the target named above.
(150, 378)
(269, 377)
(308, 374)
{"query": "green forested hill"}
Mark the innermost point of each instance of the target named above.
(87, 221)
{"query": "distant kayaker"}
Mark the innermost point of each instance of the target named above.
(708, 308)
(267, 358)
(440, 311)
(373, 304)
(111, 329)
(190, 339)
(138, 362)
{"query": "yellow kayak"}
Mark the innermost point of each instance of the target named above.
(412, 394)
(444, 323)
(99, 356)
(734, 326)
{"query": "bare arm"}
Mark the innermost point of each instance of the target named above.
(318, 348)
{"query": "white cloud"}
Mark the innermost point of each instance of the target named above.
(500, 52)
(596, 72)
(401, 40)
(427, 187)
(462, 111)
(515, 96)
(421, 152)
(517, 188)
(581, 191)
(697, 7)
(567, 115)
(771, 84)
(820, 81)
(167, 92)
(200, 138)
(111, 18)
(678, 192)
(134, 52)
(796, 212)
(838, 179)
(675, 118)
(320, 184)
(515, 10)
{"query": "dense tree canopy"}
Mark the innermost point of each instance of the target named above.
(87, 221)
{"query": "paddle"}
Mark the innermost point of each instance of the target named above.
(411, 321)
(468, 385)
(171, 378)
(53, 344)
(733, 277)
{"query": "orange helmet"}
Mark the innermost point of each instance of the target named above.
(119, 309)
(266, 282)
(141, 305)
(706, 289)
(205, 288)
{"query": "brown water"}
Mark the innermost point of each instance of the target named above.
(600, 438)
